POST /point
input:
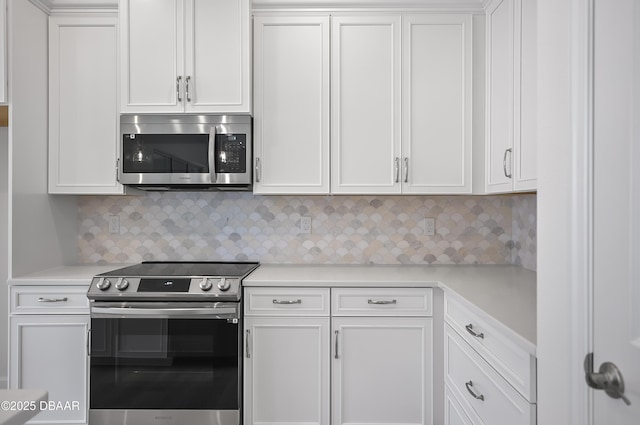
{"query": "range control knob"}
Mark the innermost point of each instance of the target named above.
(103, 284)
(122, 284)
(206, 284)
(224, 284)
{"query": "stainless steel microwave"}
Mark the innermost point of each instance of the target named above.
(186, 152)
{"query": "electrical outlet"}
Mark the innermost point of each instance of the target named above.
(305, 225)
(114, 224)
(430, 226)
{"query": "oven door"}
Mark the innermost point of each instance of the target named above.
(165, 363)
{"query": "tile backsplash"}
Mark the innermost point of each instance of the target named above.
(345, 229)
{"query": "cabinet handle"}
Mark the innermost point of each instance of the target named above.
(187, 80)
(469, 329)
(406, 169)
(504, 163)
(257, 170)
(53, 300)
(246, 343)
(287, 302)
(336, 353)
(89, 342)
(382, 302)
(469, 386)
(397, 170)
(178, 81)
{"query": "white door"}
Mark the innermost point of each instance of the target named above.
(286, 371)
(436, 114)
(365, 104)
(616, 194)
(151, 52)
(382, 370)
(291, 120)
(217, 57)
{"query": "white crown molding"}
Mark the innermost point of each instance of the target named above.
(440, 5)
(70, 6)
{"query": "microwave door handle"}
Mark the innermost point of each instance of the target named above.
(212, 154)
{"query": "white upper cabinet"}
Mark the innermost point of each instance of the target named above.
(510, 151)
(3, 51)
(436, 113)
(83, 105)
(291, 97)
(365, 104)
(185, 56)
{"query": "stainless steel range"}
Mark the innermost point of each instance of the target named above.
(165, 344)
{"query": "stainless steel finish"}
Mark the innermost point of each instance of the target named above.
(166, 310)
(186, 90)
(53, 300)
(122, 284)
(178, 82)
(189, 124)
(257, 170)
(224, 284)
(246, 343)
(608, 378)
(469, 386)
(287, 302)
(163, 417)
(397, 162)
(504, 163)
(103, 284)
(336, 353)
(406, 169)
(469, 329)
(382, 302)
(206, 284)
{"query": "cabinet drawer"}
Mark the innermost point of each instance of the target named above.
(49, 300)
(382, 302)
(513, 362)
(286, 302)
(480, 387)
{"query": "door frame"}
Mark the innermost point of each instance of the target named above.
(565, 210)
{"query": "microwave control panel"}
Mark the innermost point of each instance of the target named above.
(231, 153)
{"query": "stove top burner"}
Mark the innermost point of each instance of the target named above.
(175, 280)
(163, 269)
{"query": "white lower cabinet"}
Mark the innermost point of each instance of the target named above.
(48, 349)
(489, 379)
(286, 375)
(382, 370)
(381, 362)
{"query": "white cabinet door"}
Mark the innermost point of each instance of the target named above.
(217, 56)
(151, 53)
(526, 142)
(500, 95)
(185, 56)
(436, 115)
(83, 105)
(382, 370)
(50, 353)
(291, 120)
(3, 51)
(365, 104)
(286, 371)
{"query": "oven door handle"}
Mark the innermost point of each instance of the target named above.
(153, 312)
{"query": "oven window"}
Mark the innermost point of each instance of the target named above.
(142, 363)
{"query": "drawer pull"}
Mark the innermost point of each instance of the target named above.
(382, 302)
(287, 302)
(469, 328)
(469, 385)
(53, 300)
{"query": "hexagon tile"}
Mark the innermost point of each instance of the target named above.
(345, 229)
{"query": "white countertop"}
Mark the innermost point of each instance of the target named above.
(506, 294)
(18, 406)
(80, 274)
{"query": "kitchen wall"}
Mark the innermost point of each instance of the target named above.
(345, 229)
